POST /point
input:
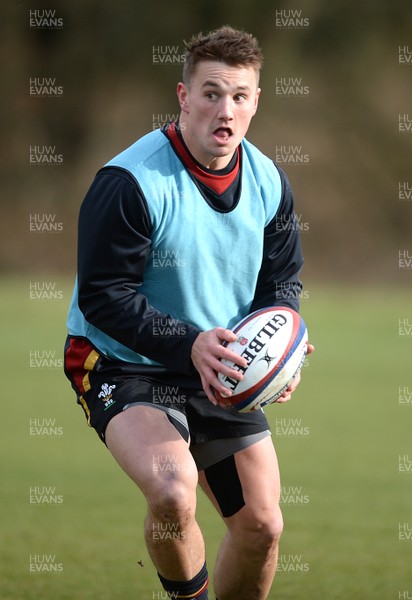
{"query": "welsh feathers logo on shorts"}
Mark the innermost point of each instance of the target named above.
(106, 395)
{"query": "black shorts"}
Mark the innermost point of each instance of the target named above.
(106, 387)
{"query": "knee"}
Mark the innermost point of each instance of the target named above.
(260, 528)
(172, 501)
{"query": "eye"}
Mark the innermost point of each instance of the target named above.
(211, 95)
(240, 98)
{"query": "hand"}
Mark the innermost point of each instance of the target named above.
(287, 394)
(207, 351)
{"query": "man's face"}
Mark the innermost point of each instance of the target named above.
(217, 106)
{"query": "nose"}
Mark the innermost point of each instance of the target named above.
(226, 108)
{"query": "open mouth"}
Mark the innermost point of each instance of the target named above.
(223, 133)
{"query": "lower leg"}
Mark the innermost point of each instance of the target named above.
(247, 559)
(175, 545)
(174, 540)
(141, 439)
(246, 563)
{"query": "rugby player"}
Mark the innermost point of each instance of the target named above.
(180, 236)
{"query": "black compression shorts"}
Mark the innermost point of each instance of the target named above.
(106, 387)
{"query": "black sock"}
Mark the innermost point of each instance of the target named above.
(195, 588)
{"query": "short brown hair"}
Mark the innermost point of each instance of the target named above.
(226, 44)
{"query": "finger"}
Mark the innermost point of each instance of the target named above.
(228, 371)
(230, 356)
(225, 335)
(294, 383)
(220, 388)
(287, 394)
(211, 382)
(224, 352)
(284, 398)
(209, 393)
(208, 390)
(220, 367)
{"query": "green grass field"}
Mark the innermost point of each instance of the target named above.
(344, 444)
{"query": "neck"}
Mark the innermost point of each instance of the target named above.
(209, 161)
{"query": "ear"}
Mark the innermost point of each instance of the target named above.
(182, 95)
(256, 100)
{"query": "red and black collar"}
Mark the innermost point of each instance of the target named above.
(218, 181)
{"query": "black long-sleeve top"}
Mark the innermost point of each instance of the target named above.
(114, 244)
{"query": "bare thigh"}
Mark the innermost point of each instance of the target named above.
(258, 471)
(150, 450)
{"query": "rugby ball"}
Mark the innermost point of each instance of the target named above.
(273, 340)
